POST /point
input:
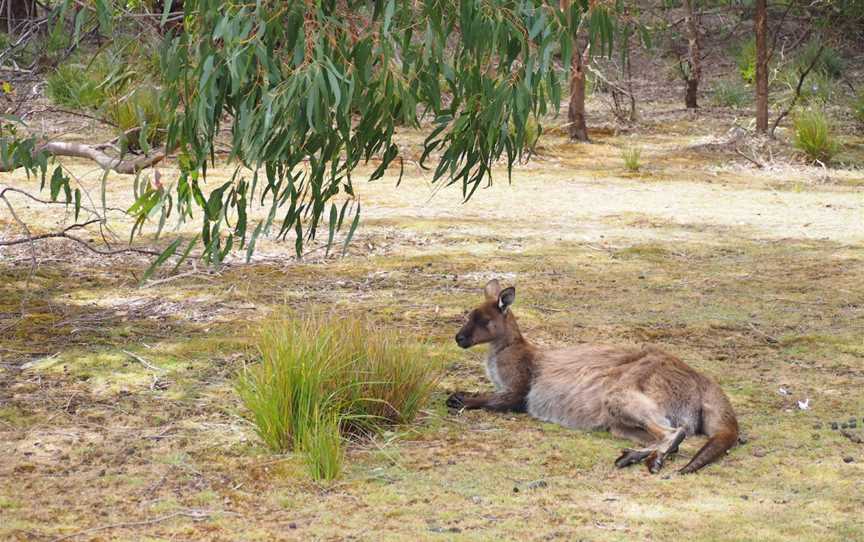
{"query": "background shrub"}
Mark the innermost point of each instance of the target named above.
(830, 63)
(730, 94)
(139, 108)
(322, 379)
(745, 58)
(77, 86)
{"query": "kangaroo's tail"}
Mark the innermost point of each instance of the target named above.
(721, 426)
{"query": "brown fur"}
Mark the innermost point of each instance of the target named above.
(642, 394)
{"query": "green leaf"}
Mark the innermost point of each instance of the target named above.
(57, 182)
(166, 11)
(351, 231)
(185, 254)
(77, 203)
(167, 253)
(332, 227)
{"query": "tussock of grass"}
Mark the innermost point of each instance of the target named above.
(632, 158)
(322, 378)
(813, 137)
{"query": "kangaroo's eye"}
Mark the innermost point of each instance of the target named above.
(483, 322)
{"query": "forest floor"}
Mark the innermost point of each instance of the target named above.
(119, 421)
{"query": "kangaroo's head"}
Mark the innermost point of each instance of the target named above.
(490, 321)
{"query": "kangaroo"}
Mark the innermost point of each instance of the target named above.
(645, 395)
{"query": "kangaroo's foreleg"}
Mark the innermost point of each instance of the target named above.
(497, 402)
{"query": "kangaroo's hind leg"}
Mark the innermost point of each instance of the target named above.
(631, 456)
(637, 417)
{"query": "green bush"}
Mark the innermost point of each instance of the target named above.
(817, 88)
(109, 88)
(813, 136)
(830, 64)
(731, 94)
(77, 86)
(139, 107)
(322, 379)
(631, 156)
(745, 58)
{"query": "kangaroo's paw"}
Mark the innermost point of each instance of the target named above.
(630, 457)
(456, 400)
(676, 442)
(655, 461)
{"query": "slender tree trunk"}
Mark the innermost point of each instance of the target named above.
(695, 73)
(761, 23)
(576, 109)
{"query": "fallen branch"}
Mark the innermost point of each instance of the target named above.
(79, 150)
(65, 235)
(758, 164)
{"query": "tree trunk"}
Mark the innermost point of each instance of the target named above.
(14, 13)
(761, 23)
(691, 93)
(576, 109)
(695, 73)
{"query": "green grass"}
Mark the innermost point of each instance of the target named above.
(745, 58)
(77, 86)
(813, 136)
(109, 86)
(631, 155)
(323, 377)
(829, 64)
(139, 108)
(818, 88)
(730, 94)
(858, 107)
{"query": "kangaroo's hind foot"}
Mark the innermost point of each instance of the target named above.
(657, 458)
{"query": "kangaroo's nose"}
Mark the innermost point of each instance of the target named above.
(462, 340)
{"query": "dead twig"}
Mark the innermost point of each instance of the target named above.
(143, 361)
(196, 515)
(768, 338)
(758, 164)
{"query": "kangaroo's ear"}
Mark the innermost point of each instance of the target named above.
(506, 298)
(492, 289)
